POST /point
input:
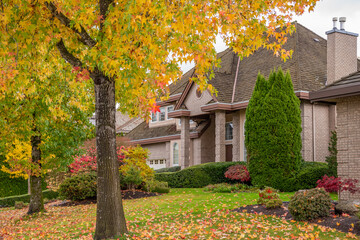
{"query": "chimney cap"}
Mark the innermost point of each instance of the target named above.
(342, 19)
(335, 19)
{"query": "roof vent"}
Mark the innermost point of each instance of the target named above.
(334, 22)
(342, 21)
(316, 40)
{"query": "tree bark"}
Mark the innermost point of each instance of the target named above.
(110, 217)
(36, 196)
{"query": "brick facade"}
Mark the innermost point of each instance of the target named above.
(348, 133)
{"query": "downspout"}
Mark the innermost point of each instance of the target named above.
(235, 80)
(313, 131)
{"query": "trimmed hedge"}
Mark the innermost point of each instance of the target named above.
(10, 201)
(14, 186)
(79, 187)
(170, 169)
(197, 176)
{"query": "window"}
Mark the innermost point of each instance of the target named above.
(229, 131)
(162, 114)
(169, 110)
(175, 154)
(153, 116)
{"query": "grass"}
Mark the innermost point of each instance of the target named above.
(181, 214)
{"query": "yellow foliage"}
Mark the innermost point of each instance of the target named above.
(136, 157)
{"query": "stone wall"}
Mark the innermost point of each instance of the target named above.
(348, 133)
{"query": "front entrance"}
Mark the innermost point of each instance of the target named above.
(229, 156)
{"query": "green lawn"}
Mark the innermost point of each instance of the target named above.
(181, 214)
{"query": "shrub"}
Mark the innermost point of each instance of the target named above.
(238, 172)
(197, 176)
(310, 204)
(79, 187)
(19, 205)
(269, 197)
(87, 162)
(157, 186)
(10, 201)
(273, 132)
(170, 169)
(332, 158)
(227, 188)
(132, 177)
(308, 176)
(330, 184)
(135, 157)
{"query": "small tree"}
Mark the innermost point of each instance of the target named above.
(273, 132)
(332, 158)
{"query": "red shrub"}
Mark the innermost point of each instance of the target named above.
(330, 184)
(238, 172)
(87, 162)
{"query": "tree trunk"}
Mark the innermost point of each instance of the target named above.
(110, 217)
(36, 197)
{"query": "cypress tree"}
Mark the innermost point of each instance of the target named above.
(275, 155)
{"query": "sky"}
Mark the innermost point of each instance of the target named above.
(320, 20)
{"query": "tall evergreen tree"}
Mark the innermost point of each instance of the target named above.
(275, 154)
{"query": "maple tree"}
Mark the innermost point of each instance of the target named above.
(135, 47)
(45, 120)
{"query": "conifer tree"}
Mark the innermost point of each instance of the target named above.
(276, 150)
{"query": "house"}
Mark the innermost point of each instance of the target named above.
(193, 127)
(123, 123)
(343, 88)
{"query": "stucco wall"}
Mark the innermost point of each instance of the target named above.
(322, 132)
(317, 123)
(348, 133)
(158, 151)
(193, 103)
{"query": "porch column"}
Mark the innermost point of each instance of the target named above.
(220, 122)
(236, 136)
(185, 143)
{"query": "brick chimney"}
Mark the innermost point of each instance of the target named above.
(341, 52)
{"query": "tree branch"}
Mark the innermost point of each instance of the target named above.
(84, 37)
(65, 54)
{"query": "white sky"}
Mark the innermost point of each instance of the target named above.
(320, 20)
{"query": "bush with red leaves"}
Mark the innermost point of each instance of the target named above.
(332, 184)
(238, 172)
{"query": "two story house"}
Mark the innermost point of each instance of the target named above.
(196, 127)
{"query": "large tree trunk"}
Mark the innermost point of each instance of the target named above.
(36, 197)
(110, 218)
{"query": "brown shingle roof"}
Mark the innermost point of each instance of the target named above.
(143, 131)
(307, 67)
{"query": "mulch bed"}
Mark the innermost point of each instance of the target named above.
(126, 194)
(344, 223)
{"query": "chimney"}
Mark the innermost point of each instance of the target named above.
(341, 52)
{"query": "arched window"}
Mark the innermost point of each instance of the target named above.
(176, 154)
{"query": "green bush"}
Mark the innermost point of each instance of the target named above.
(270, 198)
(310, 204)
(332, 158)
(228, 188)
(309, 174)
(13, 186)
(10, 201)
(197, 176)
(79, 187)
(132, 177)
(170, 169)
(273, 132)
(157, 186)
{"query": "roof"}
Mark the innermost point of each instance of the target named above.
(143, 131)
(345, 87)
(307, 66)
